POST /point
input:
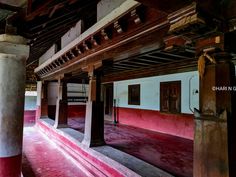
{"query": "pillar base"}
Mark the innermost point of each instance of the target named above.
(61, 126)
(61, 114)
(94, 124)
(93, 143)
(211, 145)
(10, 166)
(43, 117)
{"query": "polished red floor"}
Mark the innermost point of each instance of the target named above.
(41, 158)
(170, 153)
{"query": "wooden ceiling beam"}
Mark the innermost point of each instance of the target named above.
(62, 16)
(54, 20)
(126, 65)
(130, 62)
(147, 60)
(49, 32)
(155, 70)
(172, 55)
(136, 38)
(120, 67)
(39, 10)
(9, 7)
(49, 42)
(55, 8)
(167, 7)
(151, 56)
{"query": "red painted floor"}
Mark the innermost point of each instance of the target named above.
(170, 153)
(41, 158)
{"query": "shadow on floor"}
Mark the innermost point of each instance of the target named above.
(26, 167)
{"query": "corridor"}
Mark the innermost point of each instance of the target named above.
(42, 158)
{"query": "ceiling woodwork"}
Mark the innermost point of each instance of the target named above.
(43, 22)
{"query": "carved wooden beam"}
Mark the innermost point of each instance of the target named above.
(108, 35)
(184, 18)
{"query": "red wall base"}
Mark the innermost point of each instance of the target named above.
(76, 111)
(29, 116)
(181, 125)
(73, 111)
(10, 166)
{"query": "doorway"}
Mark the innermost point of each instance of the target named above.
(108, 101)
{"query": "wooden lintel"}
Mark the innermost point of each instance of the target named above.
(92, 67)
(216, 41)
(175, 40)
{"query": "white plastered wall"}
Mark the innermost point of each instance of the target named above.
(150, 91)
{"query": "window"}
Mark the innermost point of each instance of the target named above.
(134, 94)
(170, 96)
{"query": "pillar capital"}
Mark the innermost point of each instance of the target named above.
(14, 46)
(15, 39)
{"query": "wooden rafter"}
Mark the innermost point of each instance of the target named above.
(38, 11)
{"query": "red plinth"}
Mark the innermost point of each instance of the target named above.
(10, 166)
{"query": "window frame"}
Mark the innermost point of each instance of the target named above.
(168, 85)
(131, 95)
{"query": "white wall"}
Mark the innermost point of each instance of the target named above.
(30, 102)
(50, 52)
(150, 91)
(73, 33)
(104, 7)
(72, 90)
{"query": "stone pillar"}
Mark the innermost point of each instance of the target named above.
(212, 123)
(61, 106)
(13, 55)
(44, 100)
(94, 118)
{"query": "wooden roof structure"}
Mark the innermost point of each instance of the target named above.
(147, 37)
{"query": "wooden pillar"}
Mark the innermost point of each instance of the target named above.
(61, 105)
(212, 144)
(94, 119)
(44, 100)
